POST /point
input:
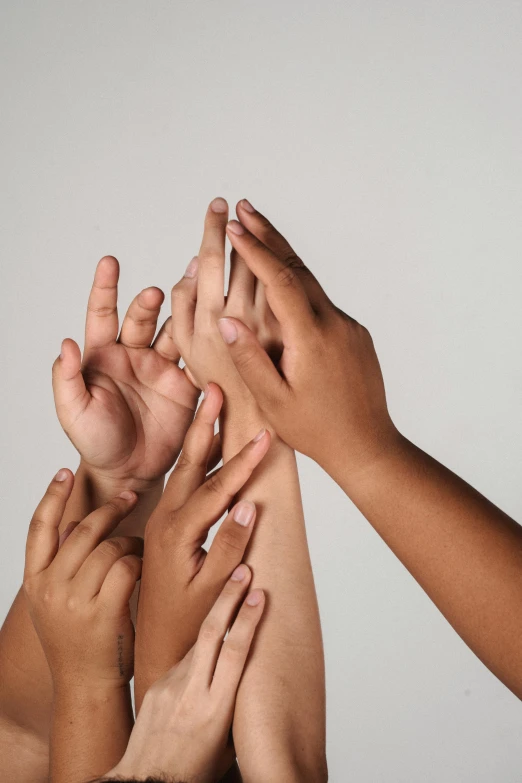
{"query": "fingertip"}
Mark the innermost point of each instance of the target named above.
(212, 401)
(246, 206)
(129, 496)
(64, 474)
(235, 228)
(241, 574)
(151, 297)
(255, 598)
(219, 205)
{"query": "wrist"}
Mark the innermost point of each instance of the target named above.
(99, 691)
(353, 467)
(103, 485)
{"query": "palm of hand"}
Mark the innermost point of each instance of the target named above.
(127, 410)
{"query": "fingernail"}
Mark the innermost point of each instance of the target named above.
(247, 205)
(236, 227)
(244, 513)
(62, 475)
(228, 330)
(239, 574)
(127, 495)
(192, 269)
(254, 598)
(219, 205)
(258, 436)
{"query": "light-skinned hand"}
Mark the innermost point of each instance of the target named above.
(183, 727)
(126, 405)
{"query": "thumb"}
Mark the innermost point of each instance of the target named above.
(253, 364)
(70, 393)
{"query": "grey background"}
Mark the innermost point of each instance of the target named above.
(384, 140)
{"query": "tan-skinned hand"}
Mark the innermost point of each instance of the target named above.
(78, 587)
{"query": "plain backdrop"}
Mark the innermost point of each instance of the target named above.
(384, 140)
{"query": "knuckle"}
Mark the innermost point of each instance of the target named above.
(37, 525)
(111, 548)
(72, 604)
(209, 631)
(230, 540)
(234, 648)
(101, 312)
(286, 277)
(215, 485)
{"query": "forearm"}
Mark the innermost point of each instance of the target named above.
(90, 729)
(25, 686)
(464, 552)
(279, 724)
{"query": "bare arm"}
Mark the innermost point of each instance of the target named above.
(328, 401)
(280, 712)
(99, 404)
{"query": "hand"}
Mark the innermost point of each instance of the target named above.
(180, 580)
(327, 392)
(183, 727)
(199, 301)
(78, 589)
(128, 407)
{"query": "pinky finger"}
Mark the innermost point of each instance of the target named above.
(120, 582)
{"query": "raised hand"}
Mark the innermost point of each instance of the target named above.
(327, 386)
(127, 407)
(184, 724)
(180, 580)
(199, 301)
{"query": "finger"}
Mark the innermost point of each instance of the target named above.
(165, 345)
(216, 454)
(216, 624)
(93, 529)
(254, 365)
(183, 299)
(71, 396)
(43, 536)
(191, 468)
(261, 228)
(229, 545)
(241, 283)
(118, 587)
(91, 576)
(101, 326)
(235, 649)
(211, 271)
(284, 290)
(208, 503)
(141, 320)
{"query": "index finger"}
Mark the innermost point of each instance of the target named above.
(285, 292)
(211, 266)
(43, 536)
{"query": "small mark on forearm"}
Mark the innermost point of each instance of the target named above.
(121, 667)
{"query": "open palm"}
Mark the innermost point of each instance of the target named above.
(127, 407)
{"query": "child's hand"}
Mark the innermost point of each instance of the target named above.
(326, 398)
(180, 580)
(183, 727)
(78, 588)
(127, 407)
(198, 301)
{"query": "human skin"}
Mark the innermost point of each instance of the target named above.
(180, 580)
(78, 587)
(183, 726)
(279, 724)
(126, 406)
(463, 551)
